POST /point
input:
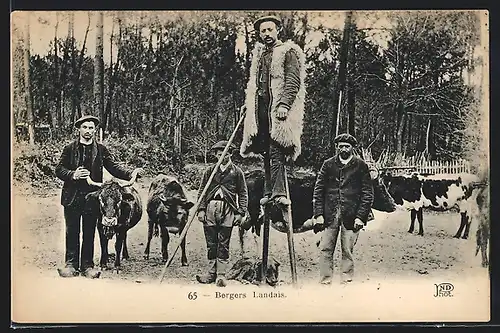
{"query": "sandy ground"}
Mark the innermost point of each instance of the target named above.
(396, 275)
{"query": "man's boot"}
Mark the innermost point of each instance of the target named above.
(283, 203)
(211, 275)
(222, 265)
(91, 272)
(68, 271)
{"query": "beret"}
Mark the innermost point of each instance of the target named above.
(221, 145)
(347, 138)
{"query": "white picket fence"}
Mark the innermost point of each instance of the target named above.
(400, 164)
(429, 167)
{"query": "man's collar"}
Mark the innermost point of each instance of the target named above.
(86, 143)
(224, 167)
(344, 161)
(277, 43)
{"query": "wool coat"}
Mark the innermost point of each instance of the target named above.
(286, 132)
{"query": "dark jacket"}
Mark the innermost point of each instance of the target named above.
(348, 188)
(69, 162)
(232, 184)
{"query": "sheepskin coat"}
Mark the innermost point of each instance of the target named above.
(286, 132)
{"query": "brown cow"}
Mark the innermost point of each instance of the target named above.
(168, 210)
(118, 208)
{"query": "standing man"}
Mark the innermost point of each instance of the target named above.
(342, 199)
(82, 159)
(224, 205)
(274, 105)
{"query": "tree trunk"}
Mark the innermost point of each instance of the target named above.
(428, 139)
(407, 145)
(57, 83)
(248, 51)
(76, 98)
(27, 83)
(71, 27)
(401, 125)
(351, 92)
(341, 76)
(112, 78)
(99, 72)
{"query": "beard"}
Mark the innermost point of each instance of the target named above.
(345, 154)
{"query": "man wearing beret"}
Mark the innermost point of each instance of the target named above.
(223, 206)
(82, 159)
(274, 105)
(342, 199)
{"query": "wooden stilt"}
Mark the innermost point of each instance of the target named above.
(265, 233)
(291, 247)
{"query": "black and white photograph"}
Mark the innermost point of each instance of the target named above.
(250, 166)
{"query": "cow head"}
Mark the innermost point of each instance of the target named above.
(109, 199)
(173, 207)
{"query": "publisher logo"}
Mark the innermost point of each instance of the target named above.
(444, 290)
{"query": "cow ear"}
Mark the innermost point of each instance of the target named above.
(188, 205)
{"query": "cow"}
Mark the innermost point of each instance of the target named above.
(301, 185)
(483, 228)
(118, 208)
(440, 192)
(168, 210)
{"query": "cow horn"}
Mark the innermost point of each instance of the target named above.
(91, 182)
(130, 182)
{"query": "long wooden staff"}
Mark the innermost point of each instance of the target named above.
(186, 228)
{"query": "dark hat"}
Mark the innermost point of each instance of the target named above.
(221, 145)
(345, 137)
(262, 19)
(86, 118)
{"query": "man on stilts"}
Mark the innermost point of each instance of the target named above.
(274, 105)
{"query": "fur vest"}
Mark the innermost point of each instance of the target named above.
(286, 132)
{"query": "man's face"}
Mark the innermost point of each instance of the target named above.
(87, 130)
(344, 149)
(268, 32)
(218, 154)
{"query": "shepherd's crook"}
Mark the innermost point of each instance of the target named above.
(219, 162)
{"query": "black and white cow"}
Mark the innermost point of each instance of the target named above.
(439, 192)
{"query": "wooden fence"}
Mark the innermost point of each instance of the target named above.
(429, 167)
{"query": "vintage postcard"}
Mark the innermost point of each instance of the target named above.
(250, 166)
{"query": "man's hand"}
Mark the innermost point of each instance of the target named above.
(201, 216)
(81, 173)
(281, 113)
(318, 224)
(137, 172)
(243, 109)
(237, 219)
(358, 224)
